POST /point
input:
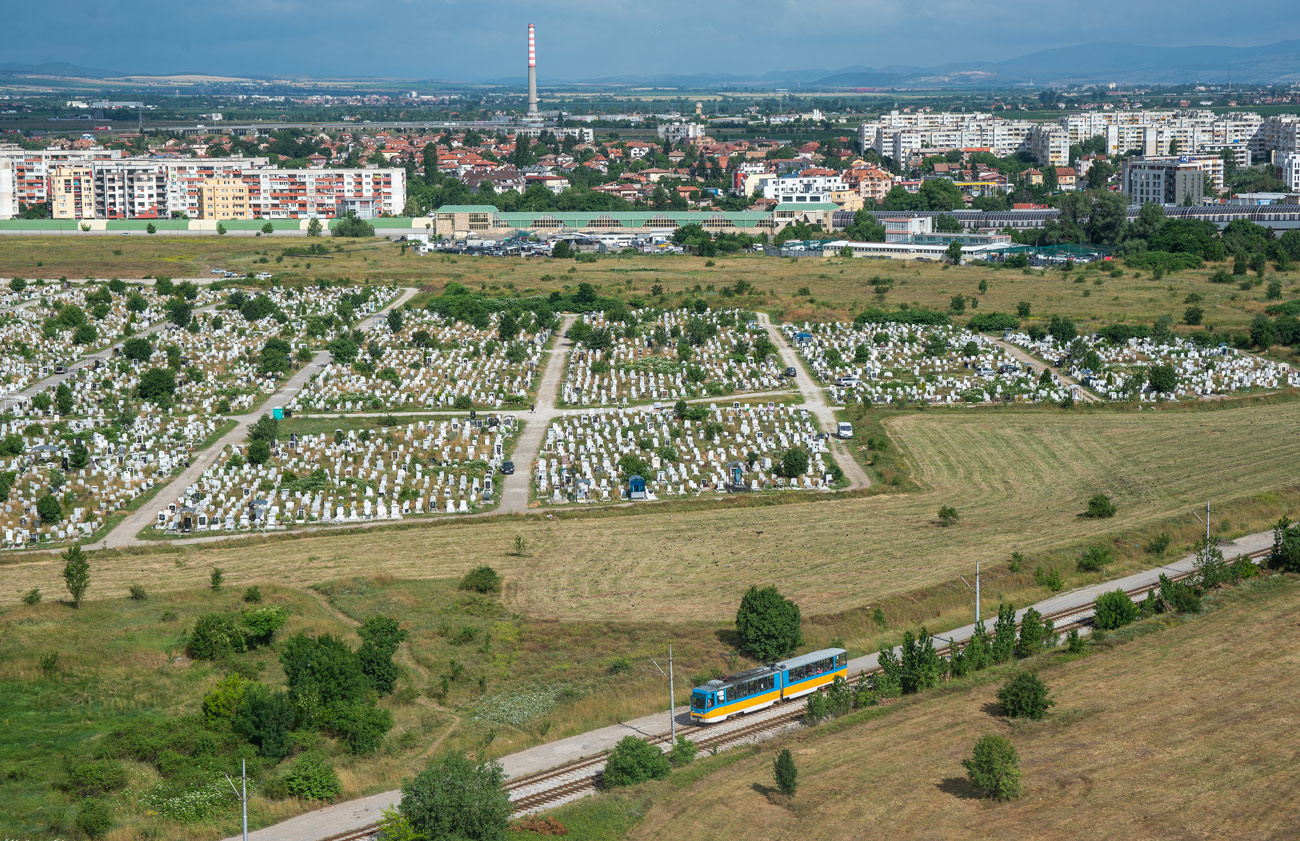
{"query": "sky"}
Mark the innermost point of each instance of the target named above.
(476, 40)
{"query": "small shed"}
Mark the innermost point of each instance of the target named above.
(636, 488)
(803, 338)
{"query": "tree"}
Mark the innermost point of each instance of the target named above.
(150, 229)
(312, 777)
(454, 798)
(786, 775)
(63, 399)
(953, 252)
(351, 226)
(1285, 555)
(137, 349)
(1162, 378)
(322, 670)
(268, 228)
(561, 250)
(948, 515)
(221, 230)
(179, 312)
(1025, 696)
(49, 510)
(314, 227)
(768, 624)
(259, 453)
(1114, 610)
(994, 768)
(481, 579)
(380, 638)
(1033, 635)
(76, 573)
(920, 666)
(78, 456)
(157, 385)
(1004, 634)
(633, 761)
(265, 717)
(267, 428)
(1100, 507)
(794, 463)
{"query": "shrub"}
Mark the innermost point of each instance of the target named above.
(456, 798)
(784, 772)
(1159, 544)
(768, 624)
(215, 635)
(994, 322)
(32, 596)
(683, 752)
(634, 761)
(948, 515)
(95, 817)
(93, 777)
(1095, 558)
(619, 665)
(482, 579)
(137, 593)
(1100, 507)
(380, 638)
(221, 705)
(1051, 579)
(253, 595)
(1024, 696)
(311, 777)
(994, 768)
(265, 718)
(361, 726)
(261, 623)
(50, 511)
(1114, 610)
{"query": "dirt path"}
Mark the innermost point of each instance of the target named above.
(1080, 391)
(814, 398)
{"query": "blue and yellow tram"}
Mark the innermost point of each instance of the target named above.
(762, 687)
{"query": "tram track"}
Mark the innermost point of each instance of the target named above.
(541, 790)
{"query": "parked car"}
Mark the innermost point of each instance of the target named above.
(791, 373)
(507, 468)
(263, 275)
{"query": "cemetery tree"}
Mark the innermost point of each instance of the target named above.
(994, 768)
(76, 573)
(259, 453)
(157, 385)
(454, 797)
(137, 349)
(1162, 378)
(794, 463)
(49, 509)
(179, 312)
(395, 320)
(78, 456)
(275, 356)
(266, 429)
(768, 625)
(63, 399)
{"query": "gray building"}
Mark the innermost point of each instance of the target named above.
(1163, 181)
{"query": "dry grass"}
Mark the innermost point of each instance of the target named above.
(838, 288)
(1018, 480)
(1174, 735)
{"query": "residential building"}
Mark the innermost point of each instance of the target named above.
(223, 198)
(8, 189)
(1049, 145)
(130, 189)
(72, 192)
(1165, 180)
(31, 170)
(811, 186)
(325, 193)
(676, 133)
(1288, 169)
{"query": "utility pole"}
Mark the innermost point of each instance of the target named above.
(977, 592)
(672, 701)
(243, 797)
(1206, 521)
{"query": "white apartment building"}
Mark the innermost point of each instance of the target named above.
(1049, 144)
(8, 189)
(30, 172)
(681, 132)
(325, 193)
(808, 187)
(1288, 169)
(130, 189)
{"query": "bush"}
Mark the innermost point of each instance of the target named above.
(454, 798)
(215, 636)
(784, 772)
(94, 818)
(1024, 696)
(361, 726)
(380, 638)
(311, 777)
(90, 778)
(948, 515)
(634, 761)
(995, 322)
(265, 718)
(768, 625)
(137, 593)
(1100, 507)
(483, 579)
(994, 768)
(32, 596)
(222, 704)
(683, 752)
(1159, 544)
(1095, 559)
(1114, 610)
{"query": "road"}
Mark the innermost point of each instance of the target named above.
(814, 399)
(342, 817)
(1080, 391)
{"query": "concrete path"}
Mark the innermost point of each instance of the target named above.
(354, 814)
(126, 533)
(103, 354)
(814, 399)
(1080, 391)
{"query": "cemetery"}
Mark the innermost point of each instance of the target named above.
(668, 355)
(904, 363)
(424, 467)
(61, 479)
(432, 362)
(1183, 369)
(659, 452)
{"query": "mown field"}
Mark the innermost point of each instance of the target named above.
(834, 287)
(1173, 733)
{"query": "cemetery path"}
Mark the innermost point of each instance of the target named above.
(514, 497)
(101, 354)
(125, 534)
(814, 398)
(1024, 356)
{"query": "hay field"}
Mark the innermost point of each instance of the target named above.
(836, 288)
(1019, 480)
(1153, 738)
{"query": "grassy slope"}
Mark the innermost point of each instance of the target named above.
(1176, 734)
(837, 287)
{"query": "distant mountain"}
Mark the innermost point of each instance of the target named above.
(56, 68)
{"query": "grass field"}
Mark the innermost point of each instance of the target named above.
(835, 288)
(1018, 479)
(1152, 737)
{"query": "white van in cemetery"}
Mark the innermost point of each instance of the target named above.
(844, 430)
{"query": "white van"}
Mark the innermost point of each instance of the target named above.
(844, 430)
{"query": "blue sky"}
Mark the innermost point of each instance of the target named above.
(472, 39)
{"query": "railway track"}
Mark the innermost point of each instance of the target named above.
(545, 789)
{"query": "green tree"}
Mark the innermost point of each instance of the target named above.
(794, 463)
(314, 227)
(268, 228)
(1003, 647)
(994, 768)
(1032, 638)
(49, 510)
(215, 635)
(561, 250)
(63, 399)
(221, 230)
(633, 761)
(768, 625)
(785, 773)
(179, 312)
(482, 579)
(1114, 610)
(76, 573)
(1025, 696)
(953, 252)
(312, 777)
(322, 670)
(150, 229)
(454, 798)
(265, 718)
(1100, 507)
(380, 639)
(1162, 378)
(920, 666)
(138, 349)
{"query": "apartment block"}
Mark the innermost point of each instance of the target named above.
(72, 192)
(325, 193)
(1163, 181)
(30, 170)
(223, 198)
(1288, 169)
(130, 189)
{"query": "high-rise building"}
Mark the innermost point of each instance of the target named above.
(223, 198)
(72, 192)
(1167, 180)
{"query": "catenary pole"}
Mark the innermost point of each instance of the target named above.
(672, 701)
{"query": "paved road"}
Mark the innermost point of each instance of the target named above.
(1080, 391)
(814, 399)
(125, 534)
(354, 814)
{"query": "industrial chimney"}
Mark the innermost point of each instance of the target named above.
(532, 74)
